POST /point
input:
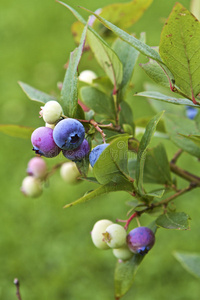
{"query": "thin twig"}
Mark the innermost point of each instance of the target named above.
(176, 156)
(16, 282)
(184, 174)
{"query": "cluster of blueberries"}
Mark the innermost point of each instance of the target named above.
(105, 235)
(58, 134)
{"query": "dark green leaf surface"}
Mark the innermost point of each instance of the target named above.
(146, 139)
(159, 73)
(194, 138)
(174, 220)
(137, 44)
(98, 101)
(123, 185)
(190, 262)
(35, 94)
(180, 49)
(156, 168)
(128, 56)
(126, 116)
(69, 92)
(17, 131)
(125, 274)
(161, 97)
(177, 128)
(113, 161)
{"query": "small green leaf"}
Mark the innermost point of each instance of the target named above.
(145, 141)
(174, 220)
(180, 51)
(190, 262)
(137, 44)
(106, 57)
(69, 92)
(193, 137)
(126, 115)
(98, 101)
(178, 128)
(128, 56)
(34, 94)
(113, 161)
(125, 271)
(17, 131)
(158, 72)
(156, 168)
(161, 97)
(83, 166)
(123, 15)
(123, 185)
(125, 274)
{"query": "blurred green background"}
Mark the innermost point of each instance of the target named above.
(49, 249)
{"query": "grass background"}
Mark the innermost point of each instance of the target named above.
(49, 249)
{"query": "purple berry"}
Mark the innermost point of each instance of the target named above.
(96, 152)
(43, 143)
(78, 153)
(69, 134)
(140, 240)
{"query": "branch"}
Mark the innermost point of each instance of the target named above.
(185, 174)
(16, 282)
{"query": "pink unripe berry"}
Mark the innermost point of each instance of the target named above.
(37, 167)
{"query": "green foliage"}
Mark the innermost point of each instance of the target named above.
(133, 160)
(190, 262)
(179, 49)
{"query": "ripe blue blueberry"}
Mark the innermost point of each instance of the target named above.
(96, 152)
(78, 153)
(43, 143)
(140, 240)
(69, 134)
(191, 112)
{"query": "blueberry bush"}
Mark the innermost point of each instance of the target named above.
(91, 127)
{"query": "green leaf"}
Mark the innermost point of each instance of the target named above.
(180, 51)
(126, 115)
(83, 166)
(106, 57)
(137, 44)
(98, 101)
(123, 15)
(128, 57)
(190, 262)
(194, 138)
(17, 131)
(125, 274)
(113, 161)
(159, 73)
(123, 185)
(125, 271)
(142, 151)
(142, 122)
(178, 128)
(161, 97)
(34, 94)
(156, 168)
(174, 220)
(69, 92)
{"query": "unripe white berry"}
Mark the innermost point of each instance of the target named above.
(69, 172)
(97, 233)
(37, 167)
(115, 236)
(87, 76)
(52, 126)
(31, 187)
(51, 112)
(123, 253)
